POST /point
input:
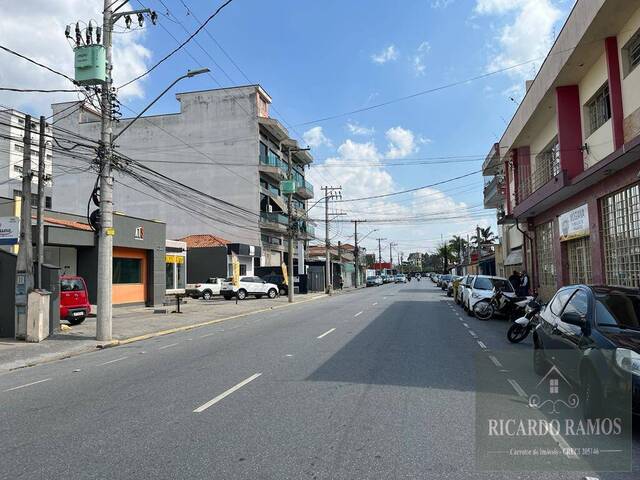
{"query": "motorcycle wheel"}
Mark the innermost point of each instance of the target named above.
(483, 310)
(517, 333)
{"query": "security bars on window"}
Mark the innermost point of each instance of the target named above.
(599, 109)
(621, 237)
(579, 253)
(544, 256)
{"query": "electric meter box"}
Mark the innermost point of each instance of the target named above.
(90, 65)
(288, 186)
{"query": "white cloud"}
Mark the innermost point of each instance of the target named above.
(356, 129)
(386, 55)
(417, 59)
(402, 142)
(315, 137)
(36, 29)
(441, 3)
(527, 35)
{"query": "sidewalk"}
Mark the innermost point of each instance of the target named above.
(131, 324)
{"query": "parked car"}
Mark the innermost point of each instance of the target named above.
(248, 286)
(481, 286)
(401, 278)
(283, 288)
(452, 286)
(205, 290)
(74, 299)
(444, 281)
(379, 280)
(372, 281)
(464, 282)
(594, 333)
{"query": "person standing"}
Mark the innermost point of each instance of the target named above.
(514, 280)
(341, 281)
(524, 284)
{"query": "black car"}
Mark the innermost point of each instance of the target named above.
(594, 333)
(283, 289)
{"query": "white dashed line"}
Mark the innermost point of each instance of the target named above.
(208, 334)
(374, 304)
(516, 386)
(465, 324)
(482, 345)
(215, 400)
(326, 333)
(472, 333)
(111, 361)
(167, 346)
(357, 314)
(27, 385)
(495, 361)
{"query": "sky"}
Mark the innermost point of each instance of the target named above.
(323, 62)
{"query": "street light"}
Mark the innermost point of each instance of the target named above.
(189, 74)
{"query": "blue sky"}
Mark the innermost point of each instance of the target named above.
(318, 59)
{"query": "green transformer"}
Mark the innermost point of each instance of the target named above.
(90, 65)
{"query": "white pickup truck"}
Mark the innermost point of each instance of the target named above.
(205, 290)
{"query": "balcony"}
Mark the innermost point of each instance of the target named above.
(305, 190)
(274, 221)
(273, 166)
(492, 163)
(493, 196)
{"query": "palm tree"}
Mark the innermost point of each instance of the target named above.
(445, 253)
(458, 245)
(485, 236)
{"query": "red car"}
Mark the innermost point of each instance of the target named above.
(74, 299)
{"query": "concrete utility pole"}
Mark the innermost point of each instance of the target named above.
(356, 253)
(42, 152)
(380, 252)
(106, 232)
(391, 245)
(329, 192)
(24, 265)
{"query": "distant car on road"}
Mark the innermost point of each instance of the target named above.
(283, 288)
(206, 290)
(372, 281)
(594, 335)
(248, 286)
(401, 278)
(74, 299)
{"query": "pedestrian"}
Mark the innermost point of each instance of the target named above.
(514, 280)
(524, 284)
(340, 281)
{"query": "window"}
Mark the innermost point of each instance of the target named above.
(127, 270)
(553, 386)
(169, 275)
(579, 254)
(618, 309)
(547, 164)
(544, 260)
(621, 237)
(181, 281)
(47, 202)
(263, 152)
(599, 109)
(579, 303)
(631, 54)
(71, 285)
(18, 148)
(559, 301)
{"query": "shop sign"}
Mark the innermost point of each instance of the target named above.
(174, 259)
(139, 233)
(9, 230)
(574, 223)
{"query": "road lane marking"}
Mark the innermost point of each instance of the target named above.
(111, 361)
(472, 333)
(326, 333)
(465, 324)
(495, 361)
(357, 314)
(167, 346)
(482, 345)
(215, 400)
(27, 385)
(208, 334)
(516, 386)
(375, 303)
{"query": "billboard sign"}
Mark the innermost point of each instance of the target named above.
(9, 230)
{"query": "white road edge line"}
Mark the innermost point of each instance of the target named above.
(215, 400)
(167, 346)
(482, 345)
(111, 361)
(516, 386)
(358, 314)
(27, 385)
(325, 333)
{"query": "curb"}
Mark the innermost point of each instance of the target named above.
(160, 333)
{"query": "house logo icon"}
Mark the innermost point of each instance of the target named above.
(555, 392)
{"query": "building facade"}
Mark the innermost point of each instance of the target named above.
(567, 167)
(222, 142)
(12, 128)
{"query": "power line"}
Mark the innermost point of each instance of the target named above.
(41, 65)
(167, 56)
(36, 90)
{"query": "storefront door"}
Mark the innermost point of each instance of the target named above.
(579, 256)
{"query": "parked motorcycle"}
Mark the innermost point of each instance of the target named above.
(520, 329)
(510, 307)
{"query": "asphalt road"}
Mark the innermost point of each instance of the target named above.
(376, 383)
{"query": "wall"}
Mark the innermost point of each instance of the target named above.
(630, 90)
(203, 263)
(219, 126)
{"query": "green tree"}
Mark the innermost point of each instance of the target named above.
(445, 254)
(458, 246)
(485, 236)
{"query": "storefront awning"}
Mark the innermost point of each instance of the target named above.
(514, 258)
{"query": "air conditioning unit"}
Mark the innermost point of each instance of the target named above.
(270, 208)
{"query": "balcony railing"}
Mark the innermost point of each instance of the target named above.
(274, 217)
(546, 169)
(274, 161)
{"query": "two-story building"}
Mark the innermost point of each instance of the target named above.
(567, 167)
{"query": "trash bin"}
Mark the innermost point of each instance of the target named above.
(303, 284)
(38, 316)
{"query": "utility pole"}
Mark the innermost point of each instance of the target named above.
(391, 245)
(41, 198)
(24, 265)
(356, 252)
(380, 253)
(329, 192)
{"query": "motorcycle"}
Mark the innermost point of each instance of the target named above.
(510, 307)
(520, 329)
